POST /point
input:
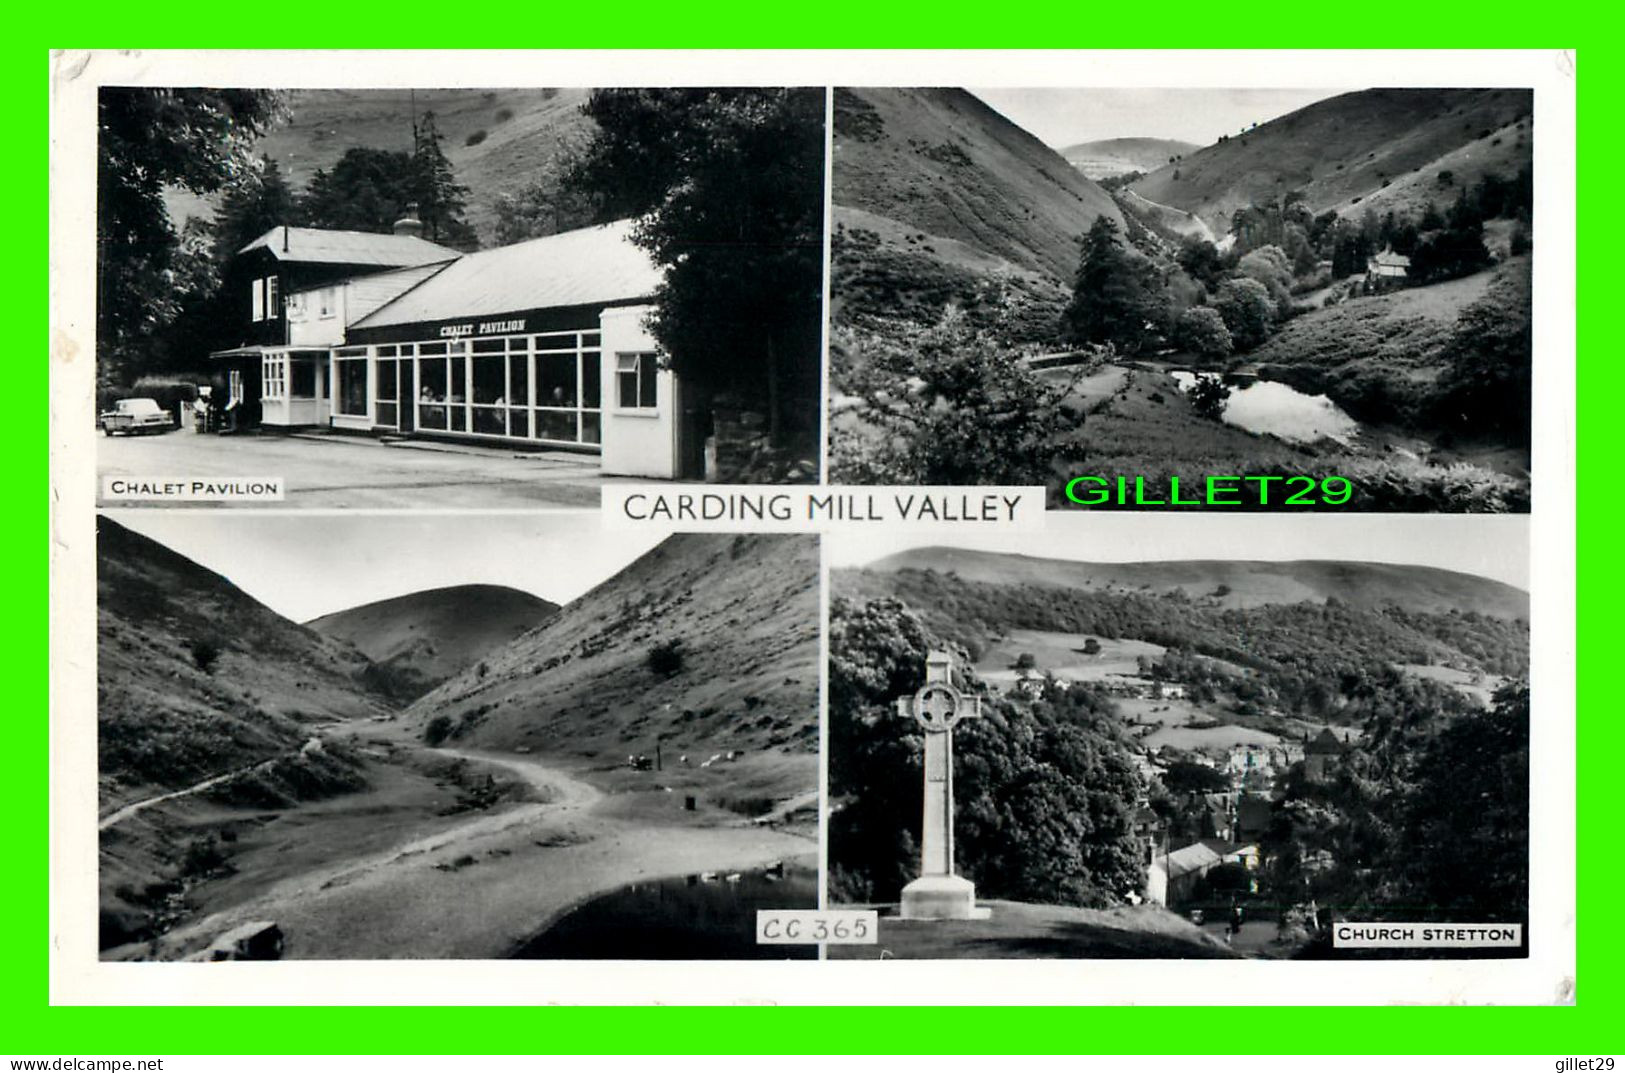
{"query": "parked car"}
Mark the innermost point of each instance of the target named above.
(136, 416)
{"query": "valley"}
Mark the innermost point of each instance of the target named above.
(1251, 262)
(366, 830)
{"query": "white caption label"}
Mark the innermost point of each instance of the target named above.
(789, 926)
(1349, 935)
(820, 508)
(195, 489)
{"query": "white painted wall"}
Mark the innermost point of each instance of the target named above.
(637, 443)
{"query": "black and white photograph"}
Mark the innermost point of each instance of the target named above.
(1142, 756)
(457, 298)
(1148, 288)
(456, 736)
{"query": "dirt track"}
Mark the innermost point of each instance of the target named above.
(482, 887)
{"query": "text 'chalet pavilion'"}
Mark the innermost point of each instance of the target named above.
(540, 344)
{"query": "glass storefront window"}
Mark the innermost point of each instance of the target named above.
(351, 397)
(488, 380)
(519, 379)
(502, 387)
(556, 379)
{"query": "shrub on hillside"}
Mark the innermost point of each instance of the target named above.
(438, 729)
(666, 658)
(951, 406)
(1248, 311)
(1202, 331)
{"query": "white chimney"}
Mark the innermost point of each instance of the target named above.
(410, 224)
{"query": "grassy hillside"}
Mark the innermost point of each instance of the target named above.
(196, 677)
(1118, 156)
(423, 638)
(494, 138)
(598, 679)
(1347, 150)
(1249, 584)
(1381, 356)
(943, 165)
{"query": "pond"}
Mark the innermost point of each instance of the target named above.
(709, 916)
(1266, 406)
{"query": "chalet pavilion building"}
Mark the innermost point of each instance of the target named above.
(540, 344)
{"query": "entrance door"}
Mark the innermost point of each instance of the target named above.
(693, 421)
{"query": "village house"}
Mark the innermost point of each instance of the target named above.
(1321, 756)
(540, 344)
(1387, 269)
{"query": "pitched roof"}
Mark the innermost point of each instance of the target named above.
(1325, 744)
(316, 245)
(592, 266)
(1390, 259)
(1193, 858)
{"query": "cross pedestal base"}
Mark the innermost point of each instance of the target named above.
(942, 898)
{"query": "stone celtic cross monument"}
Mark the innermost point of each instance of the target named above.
(939, 894)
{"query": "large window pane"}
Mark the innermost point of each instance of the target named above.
(646, 381)
(488, 379)
(519, 379)
(302, 380)
(518, 422)
(555, 380)
(352, 393)
(591, 386)
(432, 392)
(556, 425)
(488, 420)
(589, 428)
(386, 381)
(387, 415)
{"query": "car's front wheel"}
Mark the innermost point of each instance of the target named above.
(107, 430)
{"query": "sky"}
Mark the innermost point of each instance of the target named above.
(1492, 546)
(304, 565)
(1063, 117)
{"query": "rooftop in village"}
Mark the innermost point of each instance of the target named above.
(591, 266)
(316, 245)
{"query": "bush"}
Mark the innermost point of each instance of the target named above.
(1208, 394)
(438, 730)
(205, 654)
(474, 139)
(1248, 311)
(666, 658)
(1202, 330)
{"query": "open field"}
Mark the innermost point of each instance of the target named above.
(1061, 654)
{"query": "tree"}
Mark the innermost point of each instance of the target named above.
(149, 140)
(1208, 395)
(1247, 310)
(439, 197)
(1025, 662)
(1044, 792)
(728, 185)
(1270, 266)
(547, 203)
(1091, 647)
(1201, 261)
(953, 407)
(1201, 330)
(1449, 254)
(255, 201)
(366, 190)
(1117, 293)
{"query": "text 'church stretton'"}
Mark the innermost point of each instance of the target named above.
(542, 343)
